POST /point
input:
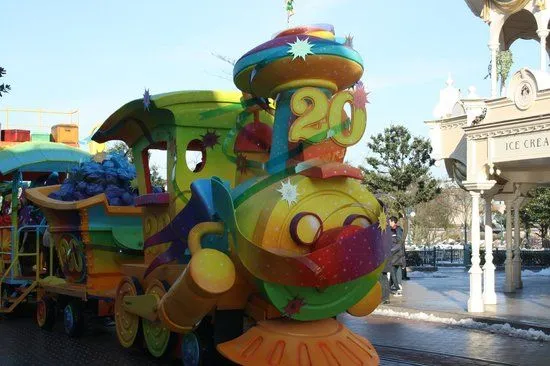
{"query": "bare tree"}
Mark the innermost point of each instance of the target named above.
(462, 202)
(446, 217)
(433, 218)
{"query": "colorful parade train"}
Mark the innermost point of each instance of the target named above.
(252, 252)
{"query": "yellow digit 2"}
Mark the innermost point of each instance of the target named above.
(350, 131)
(310, 105)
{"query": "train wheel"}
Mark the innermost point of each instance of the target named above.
(45, 313)
(198, 347)
(73, 318)
(191, 349)
(127, 324)
(158, 338)
(228, 325)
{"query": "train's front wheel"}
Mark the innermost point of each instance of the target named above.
(128, 325)
(158, 339)
(191, 349)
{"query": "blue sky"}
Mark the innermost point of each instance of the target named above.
(95, 56)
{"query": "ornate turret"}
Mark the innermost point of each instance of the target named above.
(510, 20)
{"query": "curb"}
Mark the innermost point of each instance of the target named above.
(525, 325)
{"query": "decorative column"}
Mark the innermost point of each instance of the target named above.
(494, 47)
(508, 264)
(475, 302)
(489, 295)
(517, 250)
(543, 33)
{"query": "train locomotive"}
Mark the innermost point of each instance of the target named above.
(255, 249)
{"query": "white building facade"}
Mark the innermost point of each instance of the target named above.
(498, 148)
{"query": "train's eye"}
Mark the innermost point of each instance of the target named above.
(306, 228)
(357, 220)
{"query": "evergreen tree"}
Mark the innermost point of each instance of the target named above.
(120, 147)
(399, 169)
(537, 212)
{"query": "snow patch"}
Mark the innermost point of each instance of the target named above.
(428, 274)
(419, 274)
(543, 272)
(506, 329)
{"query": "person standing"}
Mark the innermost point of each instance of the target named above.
(385, 281)
(397, 256)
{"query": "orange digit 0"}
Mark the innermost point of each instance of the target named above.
(310, 105)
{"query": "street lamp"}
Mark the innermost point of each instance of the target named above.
(412, 214)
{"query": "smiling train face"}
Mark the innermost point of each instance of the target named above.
(335, 227)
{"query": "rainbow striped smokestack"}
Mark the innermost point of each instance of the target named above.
(306, 56)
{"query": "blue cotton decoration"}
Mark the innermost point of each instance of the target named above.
(112, 177)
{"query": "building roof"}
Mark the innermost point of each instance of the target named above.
(476, 6)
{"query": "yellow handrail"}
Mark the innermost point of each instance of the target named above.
(18, 254)
(40, 112)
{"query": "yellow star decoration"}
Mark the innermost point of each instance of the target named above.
(98, 158)
(300, 48)
(382, 223)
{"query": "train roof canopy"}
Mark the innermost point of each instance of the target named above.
(206, 109)
(39, 157)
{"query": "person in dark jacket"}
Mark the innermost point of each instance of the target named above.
(397, 256)
(385, 281)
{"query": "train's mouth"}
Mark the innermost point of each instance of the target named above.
(339, 255)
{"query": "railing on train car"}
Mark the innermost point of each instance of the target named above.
(15, 255)
(5, 238)
(42, 122)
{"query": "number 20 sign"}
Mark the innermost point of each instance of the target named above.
(320, 118)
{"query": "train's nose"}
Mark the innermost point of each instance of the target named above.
(352, 249)
(336, 235)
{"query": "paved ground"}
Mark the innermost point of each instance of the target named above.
(398, 341)
(402, 342)
(23, 343)
(447, 290)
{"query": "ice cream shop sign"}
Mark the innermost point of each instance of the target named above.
(532, 145)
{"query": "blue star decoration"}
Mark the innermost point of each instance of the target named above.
(146, 100)
(300, 48)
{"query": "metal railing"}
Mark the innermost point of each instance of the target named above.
(435, 256)
(68, 117)
(14, 253)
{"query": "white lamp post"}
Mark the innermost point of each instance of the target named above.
(412, 215)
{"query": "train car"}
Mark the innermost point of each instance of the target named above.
(96, 242)
(260, 242)
(273, 227)
(22, 164)
(92, 240)
(199, 123)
